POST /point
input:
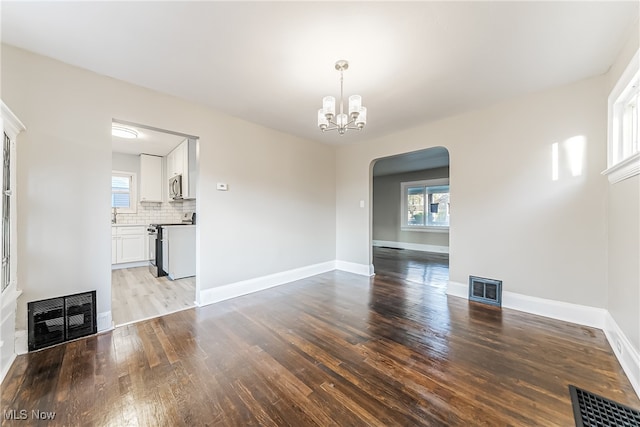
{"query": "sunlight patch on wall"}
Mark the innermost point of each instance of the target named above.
(554, 161)
(572, 157)
(575, 150)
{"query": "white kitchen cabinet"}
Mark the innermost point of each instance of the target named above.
(179, 251)
(129, 244)
(182, 161)
(175, 160)
(171, 160)
(114, 249)
(150, 178)
(130, 249)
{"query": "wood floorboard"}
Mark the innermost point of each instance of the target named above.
(137, 295)
(334, 349)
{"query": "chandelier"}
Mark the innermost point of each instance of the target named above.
(327, 118)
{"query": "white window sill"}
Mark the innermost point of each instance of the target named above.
(625, 169)
(426, 229)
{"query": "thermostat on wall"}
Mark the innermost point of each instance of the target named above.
(221, 186)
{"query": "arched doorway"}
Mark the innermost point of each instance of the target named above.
(410, 216)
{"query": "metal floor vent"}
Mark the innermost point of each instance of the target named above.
(486, 291)
(592, 410)
(56, 320)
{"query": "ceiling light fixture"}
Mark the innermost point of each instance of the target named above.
(357, 117)
(123, 132)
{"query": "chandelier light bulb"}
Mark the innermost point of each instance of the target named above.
(323, 123)
(361, 120)
(342, 120)
(356, 118)
(355, 103)
(329, 107)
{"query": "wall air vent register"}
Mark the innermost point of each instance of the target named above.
(486, 291)
(56, 320)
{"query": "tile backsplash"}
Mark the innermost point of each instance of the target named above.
(151, 213)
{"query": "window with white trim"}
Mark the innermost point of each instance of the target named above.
(123, 191)
(6, 213)
(624, 124)
(425, 205)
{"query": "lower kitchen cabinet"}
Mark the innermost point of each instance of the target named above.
(179, 251)
(129, 244)
(114, 249)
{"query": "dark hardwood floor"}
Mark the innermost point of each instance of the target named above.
(421, 267)
(333, 349)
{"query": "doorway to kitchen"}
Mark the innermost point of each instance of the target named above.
(410, 216)
(153, 217)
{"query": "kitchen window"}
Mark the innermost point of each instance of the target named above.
(425, 205)
(624, 125)
(123, 191)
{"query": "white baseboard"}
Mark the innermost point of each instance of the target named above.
(412, 246)
(565, 311)
(627, 355)
(104, 321)
(22, 343)
(560, 310)
(457, 289)
(352, 267)
(5, 369)
(221, 293)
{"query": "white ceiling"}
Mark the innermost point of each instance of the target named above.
(430, 158)
(149, 141)
(271, 62)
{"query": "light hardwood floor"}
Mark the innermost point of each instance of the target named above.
(137, 295)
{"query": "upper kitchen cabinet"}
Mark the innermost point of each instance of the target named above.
(175, 160)
(150, 178)
(182, 162)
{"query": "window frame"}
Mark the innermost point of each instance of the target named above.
(7, 218)
(404, 226)
(12, 127)
(622, 161)
(133, 193)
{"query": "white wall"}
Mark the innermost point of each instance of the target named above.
(509, 219)
(624, 257)
(387, 200)
(624, 234)
(278, 214)
(127, 163)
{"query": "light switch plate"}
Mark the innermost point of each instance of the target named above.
(221, 186)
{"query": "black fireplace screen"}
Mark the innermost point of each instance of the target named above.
(57, 320)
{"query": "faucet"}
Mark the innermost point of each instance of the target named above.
(114, 215)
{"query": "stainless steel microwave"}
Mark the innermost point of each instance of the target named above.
(175, 187)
